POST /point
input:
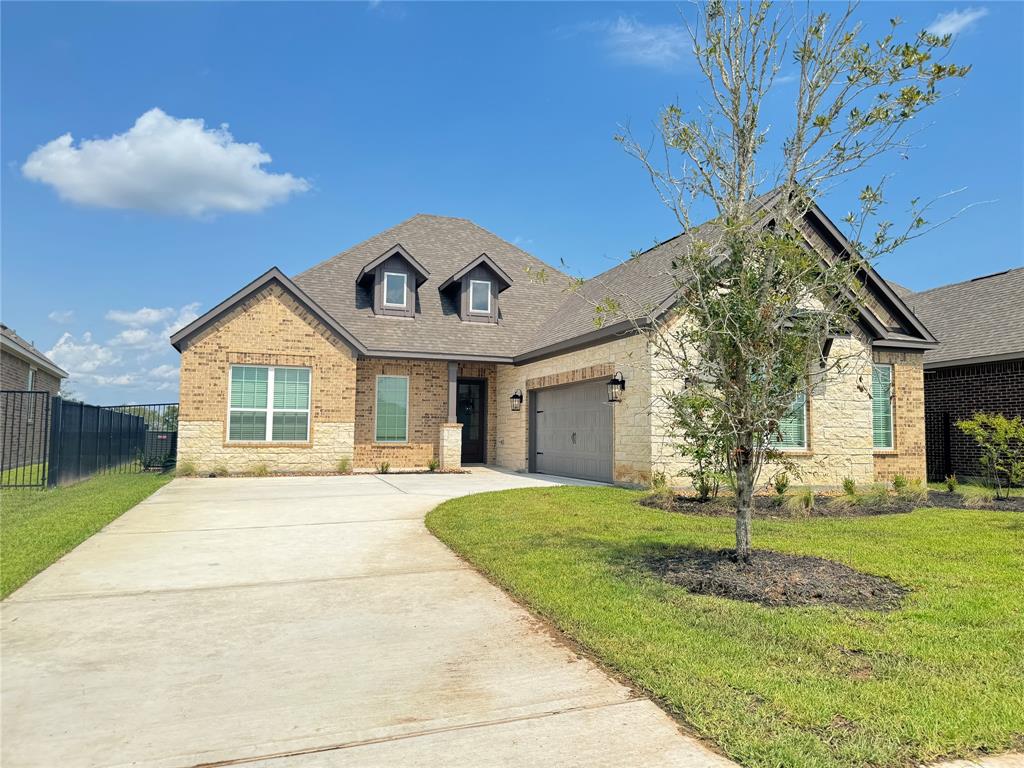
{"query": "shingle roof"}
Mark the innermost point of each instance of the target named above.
(14, 343)
(978, 319)
(443, 246)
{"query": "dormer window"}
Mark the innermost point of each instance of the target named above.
(392, 281)
(480, 297)
(394, 289)
(474, 290)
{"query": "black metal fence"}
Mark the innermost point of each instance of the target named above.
(50, 441)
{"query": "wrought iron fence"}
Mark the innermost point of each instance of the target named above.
(50, 441)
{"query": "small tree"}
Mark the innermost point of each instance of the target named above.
(700, 439)
(1002, 449)
(759, 299)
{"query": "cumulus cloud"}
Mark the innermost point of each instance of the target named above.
(141, 316)
(956, 21)
(62, 316)
(164, 372)
(163, 164)
(134, 338)
(82, 356)
(660, 46)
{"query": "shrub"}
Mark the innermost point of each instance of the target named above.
(219, 471)
(659, 480)
(662, 498)
(185, 469)
(850, 487)
(1002, 449)
(433, 465)
(899, 483)
(781, 483)
(384, 467)
(915, 491)
(801, 502)
(952, 483)
(977, 495)
(259, 470)
(344, 466)
(701, 440)
(876, 495)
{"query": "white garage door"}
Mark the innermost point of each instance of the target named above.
(573, 431)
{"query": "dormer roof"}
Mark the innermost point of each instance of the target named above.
(504, 281)
(418, 269)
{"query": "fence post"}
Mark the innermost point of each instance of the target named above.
(53, 460)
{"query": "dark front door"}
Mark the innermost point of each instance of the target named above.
(471, 409)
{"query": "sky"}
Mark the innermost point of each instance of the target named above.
(159, 156)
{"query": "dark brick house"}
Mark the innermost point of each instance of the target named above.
(978, 365)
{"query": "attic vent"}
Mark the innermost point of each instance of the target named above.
(986, 277)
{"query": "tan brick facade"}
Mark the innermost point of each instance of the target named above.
(269, 328)
(907, 457)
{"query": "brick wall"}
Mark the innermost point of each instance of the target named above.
(953, 394)
(269, 328)
(14, 375)
(487, 371)
(907, 457)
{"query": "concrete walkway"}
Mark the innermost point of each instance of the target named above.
(286, 622)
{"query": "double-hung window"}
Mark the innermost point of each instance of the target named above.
(392, 411)
(268, 404)
(793, 426)
(394, 289)
(480, 297)
(881, 406)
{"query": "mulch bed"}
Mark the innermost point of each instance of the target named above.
(827, 506)
(776, 579)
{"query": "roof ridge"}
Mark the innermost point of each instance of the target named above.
(979, 278)
(356, 245)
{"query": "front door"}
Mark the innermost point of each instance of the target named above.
(471, 409)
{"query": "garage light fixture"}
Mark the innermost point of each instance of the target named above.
(616, 385)
(517, 400)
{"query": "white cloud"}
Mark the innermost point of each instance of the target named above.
(134, 338)
(662, 46)
(185, 315)
(163, 165)
(85, 356)
(141, 316)
(955, 22)
(164, 372)
(62, 316)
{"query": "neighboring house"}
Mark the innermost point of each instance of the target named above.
(978, 365)
(23, 417)
(416, 346)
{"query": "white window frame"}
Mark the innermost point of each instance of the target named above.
(892, 410)
(376, 409)
(486, 283)
(803, 443)
(270, 410)
(30, 386)
(405, 290)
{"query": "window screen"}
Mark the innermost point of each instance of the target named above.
(392, 409)
(881, 405)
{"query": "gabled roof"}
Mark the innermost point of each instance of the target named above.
(271, 276)
(975, 321)
(13, 343)
(482, 260)
(397, 250)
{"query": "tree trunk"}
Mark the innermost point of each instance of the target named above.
(744, 503)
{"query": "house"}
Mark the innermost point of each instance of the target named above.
(23, 367)
(437, 341)
(978, 365)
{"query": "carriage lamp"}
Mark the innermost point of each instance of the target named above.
(517, 400)
(616, 385)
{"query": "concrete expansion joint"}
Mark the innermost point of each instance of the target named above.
(414, 519)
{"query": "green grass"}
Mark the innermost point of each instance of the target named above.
(28, 475)
(779, 686)
(37, 527)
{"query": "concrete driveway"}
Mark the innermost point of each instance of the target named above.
(287, 622)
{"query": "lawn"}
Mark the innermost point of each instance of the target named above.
(779, 686)
(37, 527)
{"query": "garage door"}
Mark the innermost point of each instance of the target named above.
(573, 431)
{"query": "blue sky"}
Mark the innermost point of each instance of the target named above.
(502, 113)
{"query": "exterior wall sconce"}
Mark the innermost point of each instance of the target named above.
(616, 385)
(517, 400)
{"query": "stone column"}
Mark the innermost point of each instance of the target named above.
(451, 447)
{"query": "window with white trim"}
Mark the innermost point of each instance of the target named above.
(392, 412)
(793, 426)
(394, 289)
(881, 406)
(31, 383)
(480, 297)
(268, 404)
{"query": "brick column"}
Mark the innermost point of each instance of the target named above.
(451, 447)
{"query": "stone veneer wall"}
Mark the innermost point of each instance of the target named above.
(428, 410)
(631, 423)
(269, 328)
(907, 457)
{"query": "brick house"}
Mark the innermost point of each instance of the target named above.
(978, 365)
(437, 341)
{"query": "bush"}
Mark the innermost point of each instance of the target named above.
(185, 469)
(1002, 449)
(344, 466)
(659, 480)
(801, 502)
(899, 483)
(662, 498)
(850, 487)
(876, 495)
(781, 483)
(915, 491)
(977, 495)
(219, 471)
(259, 470)
(384, 467)
(952, 483)
(433, 465)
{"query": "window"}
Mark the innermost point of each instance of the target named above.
(480, 297)
(881, 405)
(392, 409)
(793, 426)
(268, 404)
(31, 385)
(394, 289)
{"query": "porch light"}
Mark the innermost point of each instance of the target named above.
(517, 400)
(615, 387)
